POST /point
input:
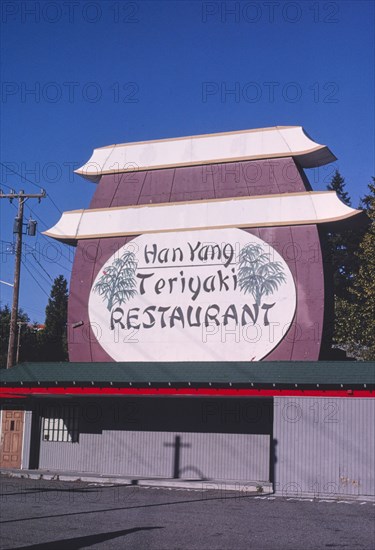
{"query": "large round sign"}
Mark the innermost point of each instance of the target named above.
(213, 295)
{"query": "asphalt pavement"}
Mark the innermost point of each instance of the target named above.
(51, 515)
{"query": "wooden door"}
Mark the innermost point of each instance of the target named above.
(11, 438)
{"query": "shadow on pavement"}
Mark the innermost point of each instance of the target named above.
(153, 505)
(84, 542)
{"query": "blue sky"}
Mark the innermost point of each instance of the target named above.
(84, 74)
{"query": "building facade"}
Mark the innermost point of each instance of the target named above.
(199, 320)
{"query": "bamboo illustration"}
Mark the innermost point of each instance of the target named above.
(257, 274)
(117, 284)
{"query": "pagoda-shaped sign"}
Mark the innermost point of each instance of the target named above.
(202, 248)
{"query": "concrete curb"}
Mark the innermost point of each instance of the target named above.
(259, 489)
(198, 484)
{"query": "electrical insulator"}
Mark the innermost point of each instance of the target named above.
(31, 228)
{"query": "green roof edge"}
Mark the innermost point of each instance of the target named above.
(261, 372)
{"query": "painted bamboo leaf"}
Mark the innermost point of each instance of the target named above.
(118, 284)
(257, 274)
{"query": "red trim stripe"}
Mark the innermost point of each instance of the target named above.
(13, 393)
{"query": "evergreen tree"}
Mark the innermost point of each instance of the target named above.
(54, 340)
(367, 202)
(355, 317)
(4, 335)
(364, 285)
(338, 185)
(28, 341)
(342, 246)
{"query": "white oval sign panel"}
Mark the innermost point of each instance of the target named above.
(214, 295)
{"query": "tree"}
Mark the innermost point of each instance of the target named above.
(342, 246)
(4, 335)
(364, 284)
(338, 185)
(355, 325)
(54, 340)
(49, 344)
(367, 202)
(28, 341)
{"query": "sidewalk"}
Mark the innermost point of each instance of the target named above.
(255, 487)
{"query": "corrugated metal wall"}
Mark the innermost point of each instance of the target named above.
(152, 454)
(319, 446)
(215, 439)
(324, 446)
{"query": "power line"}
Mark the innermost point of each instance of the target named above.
(48, 239)
(38, 273)
(28, 207)
(18, 174)
(33, 249)
(31, 265)
(32, 183)
(45, 271)
(18, 226)
(34, 311)
(33, 213)
(40, 286)
(62, 255)
(54, 204)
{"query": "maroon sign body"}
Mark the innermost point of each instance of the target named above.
(299, 246)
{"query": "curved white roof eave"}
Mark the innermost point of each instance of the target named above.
(301, 208)
(257, 144)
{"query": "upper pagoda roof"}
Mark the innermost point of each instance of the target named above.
(242, 145)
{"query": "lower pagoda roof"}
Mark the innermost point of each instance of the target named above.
(330, 378)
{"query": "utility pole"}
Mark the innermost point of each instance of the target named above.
(19, 323)
(18, 230)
